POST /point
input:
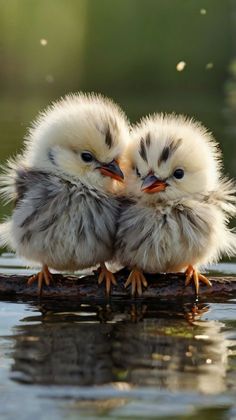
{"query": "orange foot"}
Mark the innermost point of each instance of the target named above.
(193, 275)
(43, 276)
(108, 276)
(195, 312)
(137, 280)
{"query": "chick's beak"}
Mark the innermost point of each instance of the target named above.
(152, 184)
(112, 169)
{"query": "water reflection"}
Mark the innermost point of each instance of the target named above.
(160, 345)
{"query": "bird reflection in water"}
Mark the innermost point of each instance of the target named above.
(138, 345)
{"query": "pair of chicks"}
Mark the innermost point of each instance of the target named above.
(69, 214)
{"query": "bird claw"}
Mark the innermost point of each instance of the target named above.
(109, 278)
(193, 275)
(43, 276)
(137, 280)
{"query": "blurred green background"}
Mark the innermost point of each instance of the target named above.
(126, 49)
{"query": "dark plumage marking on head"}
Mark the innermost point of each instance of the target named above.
(175, 144)
(164, 155)
(142, 150)
(169, 150)
(148, 140)
(108, 138)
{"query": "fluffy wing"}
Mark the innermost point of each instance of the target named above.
(17, 180)
(33, 193)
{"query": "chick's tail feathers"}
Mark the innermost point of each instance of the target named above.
(223, 200)
(228, 246)
(8, 190)
(225, 197)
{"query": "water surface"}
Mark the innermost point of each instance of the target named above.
(158, 359)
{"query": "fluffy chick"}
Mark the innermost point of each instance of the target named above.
(63, 186)
(181, 204)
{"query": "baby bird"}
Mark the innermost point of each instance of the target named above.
(181, 203)
(64, 187)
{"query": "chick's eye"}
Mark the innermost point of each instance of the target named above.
(87, 157)
(137, 172)
(178, 173)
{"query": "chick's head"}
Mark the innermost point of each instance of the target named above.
(171, 157)
(82, 138)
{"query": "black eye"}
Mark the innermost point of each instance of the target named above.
(137, 172)
(178, 173)
(87, 157)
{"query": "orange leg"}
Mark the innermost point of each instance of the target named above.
(108, 276)
(193, 275)
(44, 276)
(137, 280)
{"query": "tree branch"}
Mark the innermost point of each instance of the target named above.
(86, 288)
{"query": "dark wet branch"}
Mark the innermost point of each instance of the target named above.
(86, 288)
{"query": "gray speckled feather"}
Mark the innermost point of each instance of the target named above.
(66, 226)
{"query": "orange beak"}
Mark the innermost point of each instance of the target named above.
(151, 184)
(112, 170)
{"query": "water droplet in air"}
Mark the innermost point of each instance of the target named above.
(43, 42)
(209, 66)
(180, 66)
